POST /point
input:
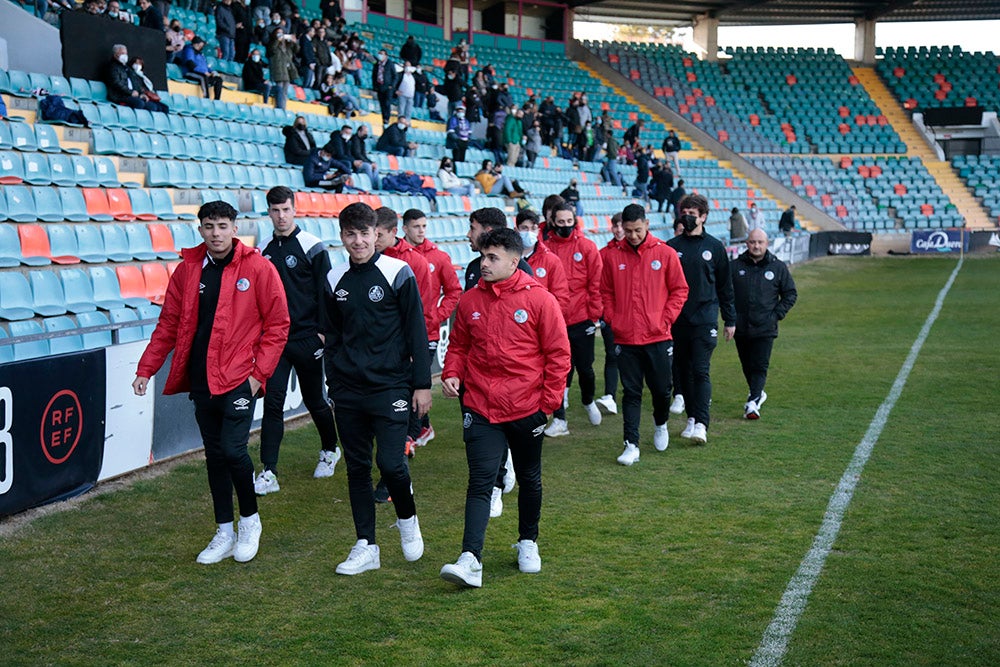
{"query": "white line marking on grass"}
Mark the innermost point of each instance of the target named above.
(774, 643)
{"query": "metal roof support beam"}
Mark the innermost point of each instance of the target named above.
(864, 41)
(706, 35)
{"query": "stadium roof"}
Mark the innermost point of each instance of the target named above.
(782, 12)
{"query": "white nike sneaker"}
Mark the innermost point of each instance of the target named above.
(496, 502)
(661, 438)
(248, 539)
(750, 410)
(593, 414)
(565, 398)
(265, 483)
(608, 403)
(466, 571)
(763, 397)
(327, 463)
(220, 548)
(363, 557)
(699, 434)
(677, 407)
(557, 428)
(689, 429)
(629, 455)
(528, 560)
(410, 538)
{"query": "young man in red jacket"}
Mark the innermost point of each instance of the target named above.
(582, 262)
(546, 267)
(445, 290)
(225, 318)
(510, 352)
(643, 289)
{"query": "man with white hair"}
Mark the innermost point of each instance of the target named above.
(764, 293)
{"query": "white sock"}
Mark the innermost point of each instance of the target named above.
(227, 528)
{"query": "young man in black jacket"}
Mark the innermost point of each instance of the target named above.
(696, 331)
(299, 141)
(377, 358)
(303, 265)
(764, 292)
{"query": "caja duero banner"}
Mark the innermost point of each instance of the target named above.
(51, 428)
(939, 240)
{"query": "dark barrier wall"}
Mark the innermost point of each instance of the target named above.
(87, 42)
(822, 244)
(51, 428)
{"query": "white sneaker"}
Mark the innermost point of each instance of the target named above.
(689, 429)
(496, 502)
(593, 414)
(410, 538)
(677, 406)
(629, 455)
(557, 428)
(763, 397)
(363, 557)
(327, 463)
(466, 571)
(426, 435)
(751, 410)
(608, 403)
(509, 477)
(699, 434)
(565, 398)
(220, 548)
(248, 539)
(661, 439)
(265, 483)
(528, 560)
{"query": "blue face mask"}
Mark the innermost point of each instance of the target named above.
(528, 238)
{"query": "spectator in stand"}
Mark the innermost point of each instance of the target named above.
(787, 222)
(738, 227)
(324, 57)
(123, 85)
(331, 10)
(452, 183)
(453, 89)
(266, 34)
(149, 16)
(261, 11)
(394, 140)
(663, 185)
(585, 115)
(571, 195)
(410, 51)
(195, 67)
(494, 182)
(755, 218)
(676, 196)
(584, 147)
(632, 134)
(320, 172)
(422, 87)
(307, 57)
(671, 149)
(343, 151)
(642, 174)
(281, 54)
(114, 12)
(244, 30)
(513, 134)
(406, 90)
(339, 148)
(336, 101)
(459, 132)
(573, 120)
(175, 40)
(253, 76)
(359, 154)
(352, 64)
(92, 7)
(533, 143)
(384, 83)
(145, 87)
(164, 8)
(299, 142)
(610, 171)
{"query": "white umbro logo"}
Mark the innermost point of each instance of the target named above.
(538, 431)
(399, 406)
(476, 315)
(341, 294)
(241, 403)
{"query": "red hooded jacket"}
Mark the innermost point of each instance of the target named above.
(249, 331)
(425, 283)
(582, 262)
(444, 278)
(550, 274)
(643, 290)
(509, 348)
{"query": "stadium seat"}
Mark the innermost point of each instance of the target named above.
(150, 312)
(95, 339)
(155, 277)
(77, 290)
(48, 205)
(162, 241)
(6, 351)
(90, 244)
(119, 205)
(126, 334)
(183, 235)
(59, 85)
(23, 137)
(140, 246)
(47, 293)
(98, 207)
(107, 173)
(142, 205)
(28, 350)
(36, 169)
(15, 297)
(83, 171)
(116, 243)
(132, 285)
(163, 206)
(106, 291)
(20, 204)
(10, 247)
(34, 245)
(63, 244)
(65, 344)
(11, 168)
(61, 170)
(47, 140)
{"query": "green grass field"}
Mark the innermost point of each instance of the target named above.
(678, 560)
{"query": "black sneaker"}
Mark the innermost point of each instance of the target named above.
(382, 493)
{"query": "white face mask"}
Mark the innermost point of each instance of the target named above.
(528, 238)
(460, 114)
(137, 68)
(123, 59)
(381, 57)
(256, 59)
(113, 14)
(345, 137)
(401, 126)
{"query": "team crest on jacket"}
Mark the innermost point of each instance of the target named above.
(621, 267)
(466, 420)
(520, 316)
(243, 284)
(291, 261)
(540, 272)
(707, 255)
(375, 294)
(655, 265)
(743, 272)
(577, 256)
(769, 275)
(430, 266)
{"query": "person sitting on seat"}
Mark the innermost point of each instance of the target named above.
(320, 172)
(195, 67)
(393, 140)
(298, 141)
(122, 85)
(145, 87)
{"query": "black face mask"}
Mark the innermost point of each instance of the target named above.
(564, 232)
(689, 222)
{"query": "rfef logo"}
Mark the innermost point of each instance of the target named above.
(62, 423)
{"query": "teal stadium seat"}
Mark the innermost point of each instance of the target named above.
(107, 294)
(32, 349)
(15, 297)
(10, 247)
(47, 293)
(115, 243)
(90, 244)
(77, 290)
(95, 339)
(65, 344)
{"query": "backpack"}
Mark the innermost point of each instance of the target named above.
(54, 109)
